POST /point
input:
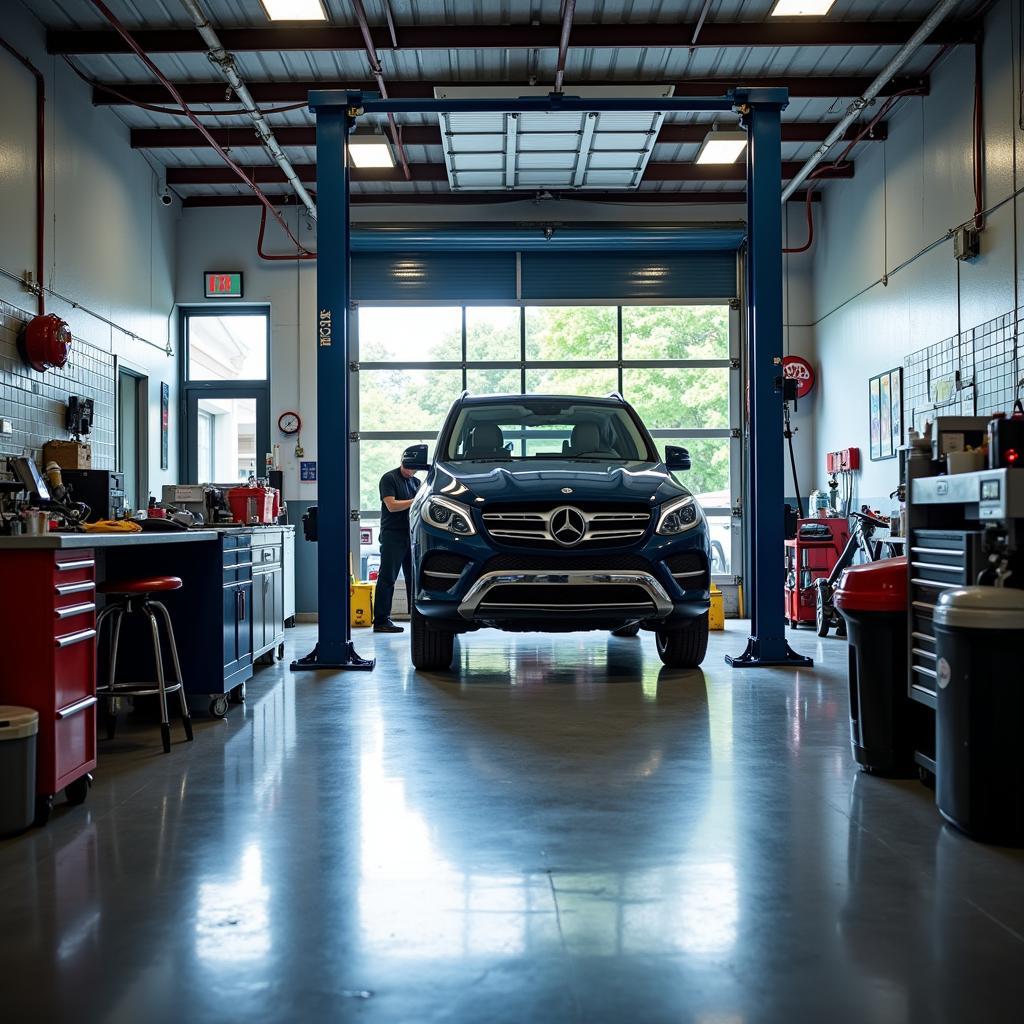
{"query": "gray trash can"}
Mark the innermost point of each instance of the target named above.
(18, 730)
(979, 776)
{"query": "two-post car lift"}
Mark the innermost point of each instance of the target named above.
(760, 111)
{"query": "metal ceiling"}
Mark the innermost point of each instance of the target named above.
(809, 68)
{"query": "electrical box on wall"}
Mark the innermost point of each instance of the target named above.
(844, 461)
(966, 243)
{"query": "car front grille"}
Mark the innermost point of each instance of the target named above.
(689, 570)
(562, 526)
(585, 563)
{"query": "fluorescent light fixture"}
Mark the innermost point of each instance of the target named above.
(294, 10)
(804, 8)
(369, 149)
(722, 146)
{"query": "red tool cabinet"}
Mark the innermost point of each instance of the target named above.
(48, 625)
(811, 555)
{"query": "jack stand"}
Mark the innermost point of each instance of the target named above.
(762, 654)
(351, 661)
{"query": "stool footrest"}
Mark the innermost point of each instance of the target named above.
(135, 690)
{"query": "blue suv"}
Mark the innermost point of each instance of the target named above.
(555, 514)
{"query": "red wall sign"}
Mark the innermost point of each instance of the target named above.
(797, 368)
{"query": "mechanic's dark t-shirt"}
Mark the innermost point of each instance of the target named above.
(394, 485)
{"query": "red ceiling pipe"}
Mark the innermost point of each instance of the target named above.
(378, 74)
(40, 169)
(568, 10)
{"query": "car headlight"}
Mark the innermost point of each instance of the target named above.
(449, 515)
(678, 516)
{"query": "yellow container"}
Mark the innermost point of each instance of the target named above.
(716, 617)
(361, 603)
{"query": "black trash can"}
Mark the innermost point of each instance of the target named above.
(979, 775)
(872, 599)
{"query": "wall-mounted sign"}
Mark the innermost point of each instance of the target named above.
(307, 472)
(220, 284)
(797, 368)
(365, 534)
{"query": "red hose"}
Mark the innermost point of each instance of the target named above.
(303, 253)
(40, 170)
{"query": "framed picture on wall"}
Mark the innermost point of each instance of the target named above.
(875, 418)
(165, 423)
(885, 404)
(896, 401)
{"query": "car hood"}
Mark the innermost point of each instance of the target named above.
(480, 482)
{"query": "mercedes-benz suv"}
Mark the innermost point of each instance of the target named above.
(555, 514)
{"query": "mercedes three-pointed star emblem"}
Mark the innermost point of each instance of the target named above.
(568, 527)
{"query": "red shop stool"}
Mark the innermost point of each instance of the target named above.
(128, 597)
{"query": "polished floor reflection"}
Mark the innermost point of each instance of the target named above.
(563, 830)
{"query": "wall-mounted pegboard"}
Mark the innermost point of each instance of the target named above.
(974, 373)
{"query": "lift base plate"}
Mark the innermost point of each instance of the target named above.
(759, 654)
(350, 661)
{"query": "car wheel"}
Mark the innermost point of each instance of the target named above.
(631, 630)
(686, 647)
(432, 649)
(821, 619)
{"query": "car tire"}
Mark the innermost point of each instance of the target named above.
(432, 649)
(686, 647)
(631, 630)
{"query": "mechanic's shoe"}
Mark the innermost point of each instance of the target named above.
(387, 626)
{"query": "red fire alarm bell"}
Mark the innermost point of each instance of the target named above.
(45, 342)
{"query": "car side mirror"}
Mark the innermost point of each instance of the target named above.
(676, 458)
(415, 457)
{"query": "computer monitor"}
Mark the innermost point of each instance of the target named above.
(30, 478)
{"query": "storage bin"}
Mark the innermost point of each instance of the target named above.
(361, 603)
(18, 730)
(716, 616)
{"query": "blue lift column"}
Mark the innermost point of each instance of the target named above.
(334, 641)
(767, 644)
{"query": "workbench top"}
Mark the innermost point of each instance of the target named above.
(62, 541)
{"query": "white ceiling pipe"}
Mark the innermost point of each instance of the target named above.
(924, 30)
(225, 64)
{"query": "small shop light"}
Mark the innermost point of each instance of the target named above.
(806, 8)
(369, 149)
(294, 10)
(722, 146)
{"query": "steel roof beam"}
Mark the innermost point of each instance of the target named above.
(656, 171)
(517, 37)
(430, 135)
(492, 198)
(809, 87)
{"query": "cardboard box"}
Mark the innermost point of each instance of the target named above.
(67, 454)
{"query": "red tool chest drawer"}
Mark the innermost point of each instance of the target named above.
(48, 630)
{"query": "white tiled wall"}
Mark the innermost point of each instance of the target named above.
(35, 403)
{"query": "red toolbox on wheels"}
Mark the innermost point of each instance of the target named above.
(810, 556)
(48, 621)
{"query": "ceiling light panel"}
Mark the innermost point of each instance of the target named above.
(805, 8)
(294, 10)
(539, 149)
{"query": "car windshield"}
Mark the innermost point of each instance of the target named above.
(547, 428)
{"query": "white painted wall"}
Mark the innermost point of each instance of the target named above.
(907, 192)
(110, 244)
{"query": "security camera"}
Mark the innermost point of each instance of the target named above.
(166, 198)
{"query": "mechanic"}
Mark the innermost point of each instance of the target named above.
(397, 490)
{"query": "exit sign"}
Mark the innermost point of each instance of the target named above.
(222, 285)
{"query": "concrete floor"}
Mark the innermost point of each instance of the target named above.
(562, 831)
